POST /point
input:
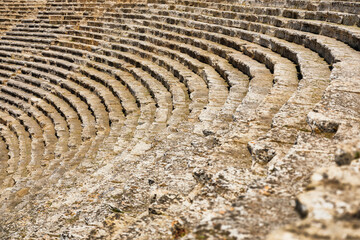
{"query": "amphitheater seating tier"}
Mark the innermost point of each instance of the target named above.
(89, 85)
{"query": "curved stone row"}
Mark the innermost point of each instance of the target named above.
(86, 83)
(247, 111)
(12, 12)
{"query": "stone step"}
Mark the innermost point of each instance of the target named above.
(29, 84)
(26, 39)
(215, 81)
(15, 33)
(160, 94)
(19, 46)
(58, 123)
(119, 85)
(234, 78)
(18, 169)
(57, 75)
(235, 58)
(76, 133)
(4, 157)
(256, 8)
(244, 31)
(142, 96)
(177, 89)
(218, 49)
(97, 109)
(37, 148)
(329, 55)
(282, 46)
(45, 124)
(348, 34)
(192, 82)
(122, 100)
(254, 81)
(8, 133)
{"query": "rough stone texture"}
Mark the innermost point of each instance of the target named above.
(179, 119)
(330, 205)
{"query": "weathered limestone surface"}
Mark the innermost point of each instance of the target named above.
(330, 205)
(179, 119)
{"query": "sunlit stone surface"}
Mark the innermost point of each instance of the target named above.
(169, 119)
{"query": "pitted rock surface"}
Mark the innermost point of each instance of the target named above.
(179, 119)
